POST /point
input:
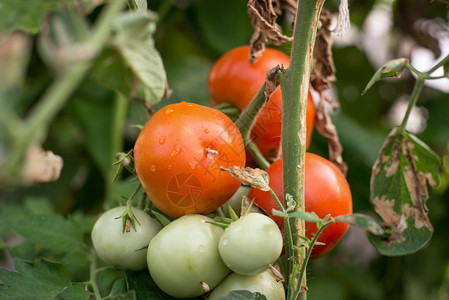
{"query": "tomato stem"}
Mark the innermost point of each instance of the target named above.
(295, 86)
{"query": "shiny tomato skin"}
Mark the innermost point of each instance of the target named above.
(233, 80)
(178, 156)
(326, 192)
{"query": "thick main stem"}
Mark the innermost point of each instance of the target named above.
(295, 86)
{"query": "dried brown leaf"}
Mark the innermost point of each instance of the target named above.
(263, 15)
(272, 81)
(249, 176)
(324, 125)
(323, 72)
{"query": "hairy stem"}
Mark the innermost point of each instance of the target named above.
(295, 86)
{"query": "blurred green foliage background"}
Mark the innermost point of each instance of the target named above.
(190, 36)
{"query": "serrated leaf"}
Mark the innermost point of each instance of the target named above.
(34, 280)
(363, 221)
(76, 290)
(393, 68)
(243, 295)
(52, 232)
(399, 192)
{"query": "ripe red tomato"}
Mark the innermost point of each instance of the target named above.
(326, 192)
(233, 80)
(178, 156)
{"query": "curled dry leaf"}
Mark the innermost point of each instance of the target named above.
(272, 80)
(249, 176)
(323, 72)
(327, 129)
(263, 15)
(41, 166)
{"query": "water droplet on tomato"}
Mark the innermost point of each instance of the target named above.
(225, 242)
(176, 151)
(162, 140)
(169, 167)
(168, 111)
(202, 248)
(206, 130)
(153, 168)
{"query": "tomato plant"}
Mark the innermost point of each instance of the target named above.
(124, 248)
(183, 258)
(178, 156)
(234, 80)
(326, 192)
(265, 283)
(250, 244)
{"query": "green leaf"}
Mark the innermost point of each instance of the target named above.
(144, 286)
(76, 290)
(52, 232)
(16, 15)
(119, 288)
(142, 72)
(33, 280)
(399, 192)
(393, 68)
(243, 295)
(109, 276)
(363, 221)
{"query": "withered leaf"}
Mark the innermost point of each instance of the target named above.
(263, 15)
(272, 81)
(323, 72)
(249, 176)
(324, 125)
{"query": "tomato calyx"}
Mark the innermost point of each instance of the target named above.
(128, 219)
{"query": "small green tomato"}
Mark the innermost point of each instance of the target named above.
(250, 244)
(123, 249)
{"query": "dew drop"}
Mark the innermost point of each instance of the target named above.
(153, 168)
(225, 242)
(169, 167)
(206, 130)
(162, 140)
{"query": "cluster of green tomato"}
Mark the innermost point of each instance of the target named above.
(192, 256)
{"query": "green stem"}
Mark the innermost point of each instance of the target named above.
(247, 118)
(258, 156)
(93, 274)
(307, 258)
(438, 65)
(117, 125)
(417, 89)
(294, 86)
(57, 95)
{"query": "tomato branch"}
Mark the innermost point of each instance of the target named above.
(294, 86)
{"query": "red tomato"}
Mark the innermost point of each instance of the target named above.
(178, 156)
(233, 80)
(326, 192)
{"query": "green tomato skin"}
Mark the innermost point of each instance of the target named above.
(236, 200)
(121, 249)
(250, 244)
(184, 254)
(264, 283)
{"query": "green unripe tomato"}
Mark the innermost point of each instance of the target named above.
(183, 257)
(123, 249)
(250, 244)
(265, 283)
